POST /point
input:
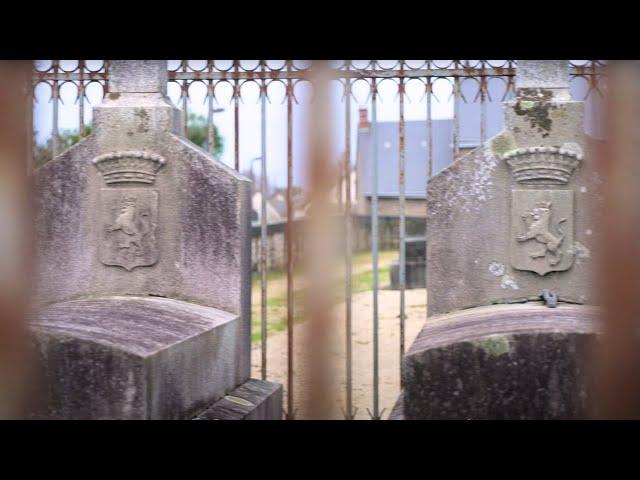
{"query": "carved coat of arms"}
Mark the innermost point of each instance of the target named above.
(542, 219)
(129, 216)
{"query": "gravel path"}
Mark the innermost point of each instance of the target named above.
(389, 361)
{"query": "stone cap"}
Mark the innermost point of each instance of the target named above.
(140, 325)
(543, 74)
(138, 76)
(475, 323)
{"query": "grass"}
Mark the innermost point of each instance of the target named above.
(361, 281)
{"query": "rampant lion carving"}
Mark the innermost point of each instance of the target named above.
(538, 223)
(135, 226)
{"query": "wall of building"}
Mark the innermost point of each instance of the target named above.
(388, 237)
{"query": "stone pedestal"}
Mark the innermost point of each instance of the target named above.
(132, 213)
(507, 362)
(508, 221)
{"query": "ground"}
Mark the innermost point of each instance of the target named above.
(362, 328)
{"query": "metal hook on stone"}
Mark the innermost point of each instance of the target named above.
(550, 298)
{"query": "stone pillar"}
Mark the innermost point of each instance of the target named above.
(143, 260)
(512, 222)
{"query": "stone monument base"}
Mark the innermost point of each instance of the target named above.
(522, 361)
(253, 400)
(136, 358)
(414, 274)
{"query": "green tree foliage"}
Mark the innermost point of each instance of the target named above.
(66, 138)
(197, 132)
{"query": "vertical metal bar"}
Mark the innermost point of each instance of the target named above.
(16, 247)
(210, 132)
(483, 110)
(349, 412)
(263, 225)
(456, 118)
(55, 96)
(429, 168)
(617, 275)
(402, 206)
(374, 244)
(185, 91)
(81, 68)
(320, 258)
(429, 129)
(236, 115)
(290, 240)
(29, 120)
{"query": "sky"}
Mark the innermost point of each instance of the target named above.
(250, 109)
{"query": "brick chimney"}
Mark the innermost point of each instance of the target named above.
(363, 123)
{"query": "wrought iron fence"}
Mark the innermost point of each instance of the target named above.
(365, 76)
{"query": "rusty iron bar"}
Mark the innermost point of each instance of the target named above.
(17, 370)
(185, 95)
(483, 110)
(237, 74)
(307, 74)
(30, 97)
(319, 291)
(263, 229)
(429, 93)
(81, 99)
(402, 226)
(455, 150)
(375, 414)
(617, 283)
(349, 410)
(210, 111)
(55, 97)
(236, 117)
(290, 240)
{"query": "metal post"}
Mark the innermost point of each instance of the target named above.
(402, 201)
(349, 412)
(55, 96)
(290, 240)
(374, 246)
(263, 227)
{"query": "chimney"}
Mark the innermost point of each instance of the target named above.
(363, 124)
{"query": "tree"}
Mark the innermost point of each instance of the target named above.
(66, 138)
(197, 132)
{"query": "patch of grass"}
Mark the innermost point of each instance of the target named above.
(361, 281)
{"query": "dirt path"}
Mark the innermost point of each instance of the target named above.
(389, 348)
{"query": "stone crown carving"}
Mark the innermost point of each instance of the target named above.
(129, 166)
(543, 165)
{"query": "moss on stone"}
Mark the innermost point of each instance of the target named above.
(495, 345)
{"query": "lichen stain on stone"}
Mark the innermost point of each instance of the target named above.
(143, 116)
(496, 268)
(502, 144)
(114, 96)
(534, 103)
(507, 281)
(579, 250)
(494, 345)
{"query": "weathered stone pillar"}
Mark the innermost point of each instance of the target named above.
(512, 222)
(143, 267)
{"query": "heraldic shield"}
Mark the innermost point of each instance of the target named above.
(542, 230)
(129, 220)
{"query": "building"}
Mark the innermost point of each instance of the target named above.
(416, 145)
